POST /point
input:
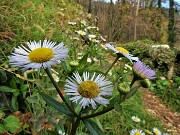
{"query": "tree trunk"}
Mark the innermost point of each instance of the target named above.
(89, 7)
(171, 26)
(159, 4)
(135, 21)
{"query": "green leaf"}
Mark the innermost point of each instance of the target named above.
(83, 61)
(6, 89)
(15, 92)
(98, 123)
(13, 84)
(131, 93)
(33, 99)
(12, 123)
(66, 66)
(23, 88)
(3, 75)
(92, 127)
(14, 103)
(118, 107)
(113, 101)
(165, 83)
(59, 106)
(3, 129)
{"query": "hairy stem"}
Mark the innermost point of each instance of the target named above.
(58, 90)
(112, 64)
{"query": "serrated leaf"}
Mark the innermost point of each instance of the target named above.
(58, 106)
(92, 127)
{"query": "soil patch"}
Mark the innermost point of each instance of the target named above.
(170, 119)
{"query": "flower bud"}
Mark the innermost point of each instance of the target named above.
(74, 63)
(145, 83)
(124, 87)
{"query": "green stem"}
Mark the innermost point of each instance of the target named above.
(131, 93)
(112, 64)
(133, 81)
(116, 80)
(58, 90)
(75, 126)
(98, 113)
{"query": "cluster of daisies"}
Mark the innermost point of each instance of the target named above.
(88, 35)
(155, 131)
(87, 89)
(85, 30)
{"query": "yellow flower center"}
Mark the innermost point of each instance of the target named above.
(136, 119)
(122, 50)
(137, 133)
(156, 132)
(88, 89)
(41, 55)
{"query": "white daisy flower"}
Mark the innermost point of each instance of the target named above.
(56, 78)
(88, 91)
(91, 36)
(79, 53)
(89, 60)
(156, 131)
(54, 71)
(135, 119)
(84, 22)
(95, 59)
(72, 23)
(79, 57)
(95, 40)
(123, 51)
(136, 132)
(38, 54)
(82, 33)
(91, 27)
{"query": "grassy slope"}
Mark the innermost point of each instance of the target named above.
(24, 20)
(39, 19)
